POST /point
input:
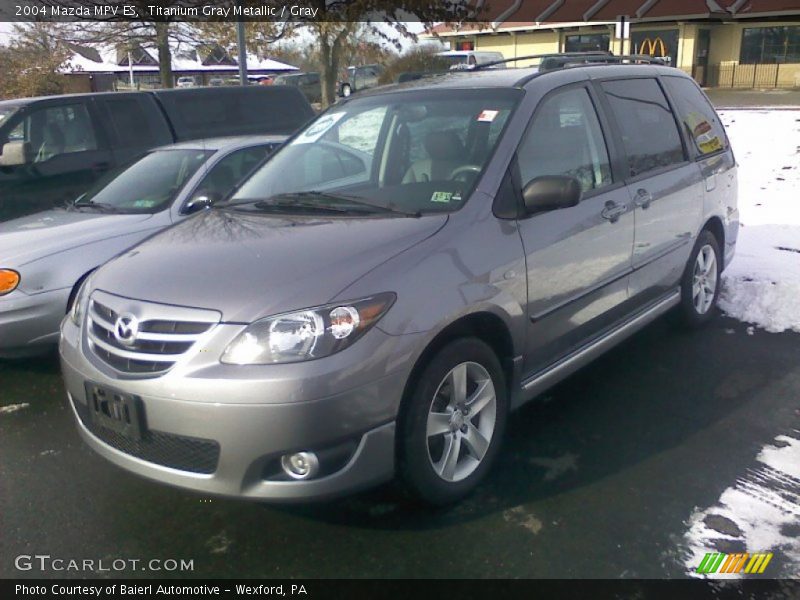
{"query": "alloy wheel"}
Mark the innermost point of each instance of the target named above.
(704, 282)
(461, 421)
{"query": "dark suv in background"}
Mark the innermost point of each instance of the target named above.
(53, 148)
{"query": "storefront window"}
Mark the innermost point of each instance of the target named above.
(661, 44)
(587, 42)
(770, 45)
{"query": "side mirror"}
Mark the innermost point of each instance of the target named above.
(551, 192)
(200, 201)
(14, 154)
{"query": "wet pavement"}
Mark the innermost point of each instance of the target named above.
(614, 473)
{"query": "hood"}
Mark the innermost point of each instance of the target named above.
(250, 265)
(36, 236)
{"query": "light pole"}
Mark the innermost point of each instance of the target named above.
(242, 52)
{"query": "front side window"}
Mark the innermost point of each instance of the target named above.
(698, 116)
(565, 138)
(58, 130)
(149, 184)
(649, 132)
(407, 152)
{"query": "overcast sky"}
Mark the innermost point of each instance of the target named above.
(5, 28)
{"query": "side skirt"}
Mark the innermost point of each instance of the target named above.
(546, 378)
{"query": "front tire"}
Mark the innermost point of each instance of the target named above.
(452, 422)
(701, 282)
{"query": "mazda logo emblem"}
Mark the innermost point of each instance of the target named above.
(126, 329)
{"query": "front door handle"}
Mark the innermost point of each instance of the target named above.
(613, 211)
(643, 199)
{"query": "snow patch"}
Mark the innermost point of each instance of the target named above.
(556, 467)
(10, 408)
(519, 516)
(759, 513)
(762, 284)
(218, 544)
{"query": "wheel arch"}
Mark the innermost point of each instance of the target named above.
(486, 326)
(717, 229)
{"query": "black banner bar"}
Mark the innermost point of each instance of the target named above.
(315, 589)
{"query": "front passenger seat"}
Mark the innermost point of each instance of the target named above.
(445, 153)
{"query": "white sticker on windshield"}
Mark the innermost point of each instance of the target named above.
(487, 116)
(318, 128)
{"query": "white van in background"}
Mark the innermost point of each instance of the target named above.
(469, 59)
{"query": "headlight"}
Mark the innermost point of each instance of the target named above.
(9, 280)
(79, 304)
(306, 334)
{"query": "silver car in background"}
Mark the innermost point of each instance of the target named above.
(44, 257)
(342, 320)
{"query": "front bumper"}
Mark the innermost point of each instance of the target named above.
(249, 436)
(29, 323)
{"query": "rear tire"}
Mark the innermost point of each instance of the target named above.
(452, 423)
(701, 282)
(346, 90)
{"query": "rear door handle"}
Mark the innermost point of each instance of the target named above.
(613, 211)
(643, 199)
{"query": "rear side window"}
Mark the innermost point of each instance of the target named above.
(649, 131)
(135, 125)
(566, 139)
(237, 111)
(697, 115)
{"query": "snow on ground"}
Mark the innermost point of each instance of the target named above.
(762, 284)
(759, 513)
(10, 408)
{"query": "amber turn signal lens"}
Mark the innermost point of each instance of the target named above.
(9, 280)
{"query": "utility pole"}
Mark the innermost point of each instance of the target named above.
(242, 52)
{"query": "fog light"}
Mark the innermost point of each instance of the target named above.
(300, 465)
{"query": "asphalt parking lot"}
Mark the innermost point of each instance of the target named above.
(599, 479)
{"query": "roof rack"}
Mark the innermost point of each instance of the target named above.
(561, 60)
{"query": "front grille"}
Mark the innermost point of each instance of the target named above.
(195, 455)
(159, 342)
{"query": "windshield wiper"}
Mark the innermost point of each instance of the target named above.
(295, 205)
(99, 206)
(310, 199)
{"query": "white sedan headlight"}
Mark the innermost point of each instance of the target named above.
(306, 334)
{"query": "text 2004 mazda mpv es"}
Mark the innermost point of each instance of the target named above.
(415, 264)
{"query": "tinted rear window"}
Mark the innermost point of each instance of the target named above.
(649, 131)
(137, 122)
(236, 111)
(697, 115)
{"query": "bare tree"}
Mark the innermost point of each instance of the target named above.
(30, 64)
(159, 32)
(337, 20)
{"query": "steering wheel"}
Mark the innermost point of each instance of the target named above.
(457, 173)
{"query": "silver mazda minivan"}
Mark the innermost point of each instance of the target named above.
(415, 264)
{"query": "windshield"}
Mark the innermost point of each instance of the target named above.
(413, 152)
(5, 113)
(149, 184)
